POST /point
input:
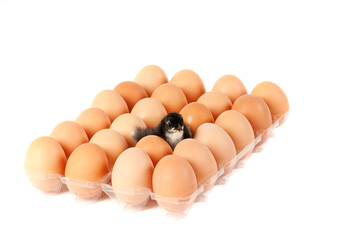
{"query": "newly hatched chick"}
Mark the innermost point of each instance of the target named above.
(172, 129)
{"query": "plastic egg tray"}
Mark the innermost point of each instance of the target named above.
(91, 191)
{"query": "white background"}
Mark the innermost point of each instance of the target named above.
(55, 56)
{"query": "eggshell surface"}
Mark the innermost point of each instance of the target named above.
(255, 110)
(93, 120)
(217, 102)
(174, 177)
(156, 147)
(45, 156)
(200, 158)
(218, 142)
(150, 77)
(70, 135)
(150, 110)
(274, 97)
(238, 128)
(190, 83)
(112, 142)
(88, 162)
(133, 170)
(111, 103)
(230, 85)
(194, 114)
(125, 124)
(171, 97)
(131, 92)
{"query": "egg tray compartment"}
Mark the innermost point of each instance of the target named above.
(49, 183)
(86, 190)
(91, 191)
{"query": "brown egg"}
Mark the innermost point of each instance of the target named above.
(275, 98)
(194, 114)
(112, 142)
(111, 103)
(150, 110)
(70, 135)
(151, 77)
(131, 92)
(258, 114)
(171, 97)
(255, 110)
(219, 143)
(190, 83)
(89, 163)
(216, 101)
(201, 159)
(156, 147)
(230, 85)
(125, 124)
(46, 157)
(132, 171)
(238, 128)
(174, 177)
(93, 120)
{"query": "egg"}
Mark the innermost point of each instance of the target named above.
(216, 101)
(258, 114)
(219, 143)
(156, 147)
(190, 83)
(194, 114)
(132, 172)
(238, 128)
(131, 92)
(125, 124)
(111, 103)
(274, 97)
(93, 120)
(46, 157)
(255, 110)
(70, 135)
(171, 97)
(150, 77)
(201, 159)
(112, 142)
(88, 163)
(230, 85)
(150, 110)
(174, 177)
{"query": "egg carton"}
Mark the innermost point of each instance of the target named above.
(137, 199)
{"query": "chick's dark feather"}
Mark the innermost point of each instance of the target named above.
(139, 133)
(187, 132)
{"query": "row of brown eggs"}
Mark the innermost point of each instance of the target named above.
(223, 122)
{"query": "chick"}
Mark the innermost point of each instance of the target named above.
(172, 129)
